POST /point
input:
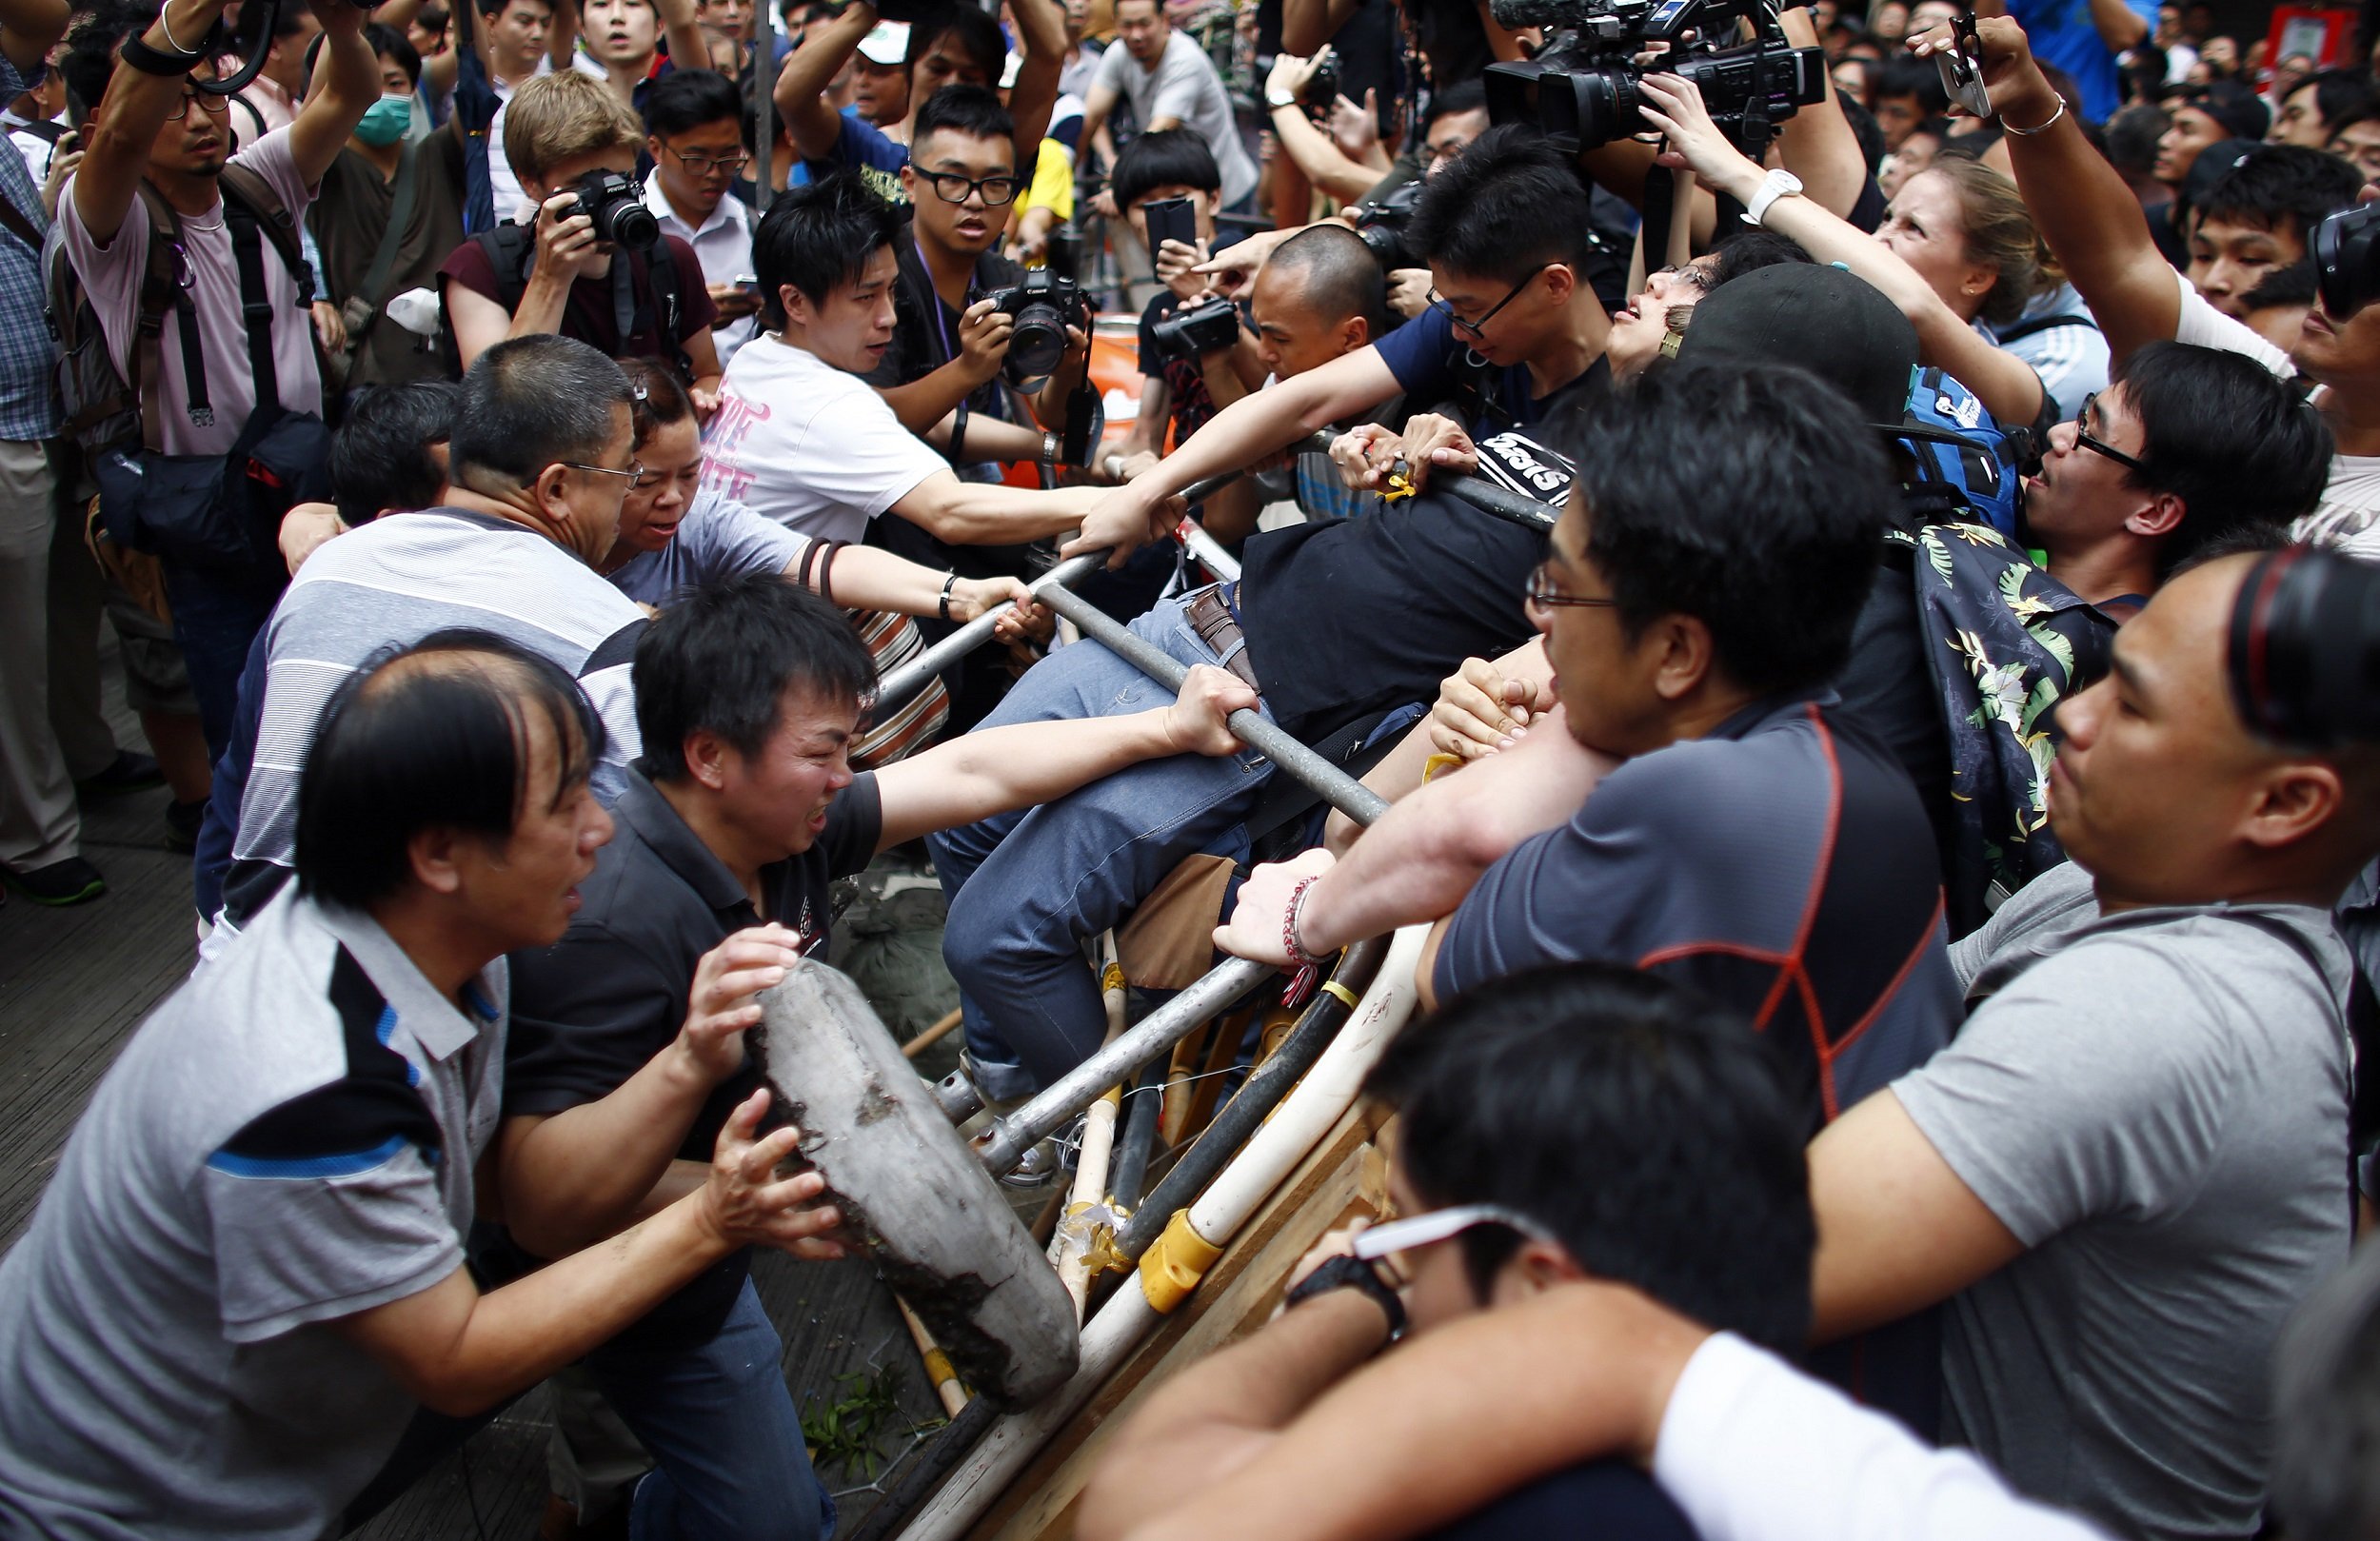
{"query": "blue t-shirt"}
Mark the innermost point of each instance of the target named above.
(2061, 33)
(717, 538)
(1598, 1499)
(1428, 364)
(863, 146)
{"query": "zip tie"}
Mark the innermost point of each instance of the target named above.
(1340, 994)
(1167, 1279)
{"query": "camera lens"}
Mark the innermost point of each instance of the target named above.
(2345, 251)
(1038, 340)
(627, 222)
(2305, 649)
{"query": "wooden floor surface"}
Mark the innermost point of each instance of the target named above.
(74, 982)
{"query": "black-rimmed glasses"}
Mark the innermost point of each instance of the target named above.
(1546, 595)
(951, 188)
(218, 105)
(1478, 328)
(2084, 441)
(703, 166)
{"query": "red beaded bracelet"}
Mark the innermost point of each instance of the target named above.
(1290, 944)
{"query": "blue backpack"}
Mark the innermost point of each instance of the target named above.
(1969, 467)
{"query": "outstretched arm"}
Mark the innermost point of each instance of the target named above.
(801, 94)
(1816, 144)
(2088, 219)
(1042, 55)
(28, 27)
(2005, 382)
(347, 82)
(128, 119)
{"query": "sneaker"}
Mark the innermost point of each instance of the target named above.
(70, 881)
(182, 824)
(127, 772)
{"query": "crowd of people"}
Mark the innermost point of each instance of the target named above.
(1894, 982)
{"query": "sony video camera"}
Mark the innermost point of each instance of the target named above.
(1045, 305)
(2305, 649)
(617, 207)
(1192, 333)
(1582, 89)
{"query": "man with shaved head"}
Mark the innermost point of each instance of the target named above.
(248, 1273)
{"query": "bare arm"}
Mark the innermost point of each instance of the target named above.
(1898, 1230)
(2088, 219)
(800, 94)
(459, 1351)
(1325, 165)
(127, 123)
(1485, 707)
(1095, 110)
(1306, 25)
(991, 771)
(2005, 382)
(1816, 144)
(977, 513)
(28, 27)
(683, 33)
(2120, 26)
(562, 37)
(1043, 26)
(869, 579)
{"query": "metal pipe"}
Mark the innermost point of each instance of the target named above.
(764, 110)
(912, 677)
(1340, 790)
(1262, 1090)
(1131, 1162)
(1207, 552)
(1002, 1145)
(1503, 502)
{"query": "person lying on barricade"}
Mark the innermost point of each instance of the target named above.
(255, 1236)
(628, 1051)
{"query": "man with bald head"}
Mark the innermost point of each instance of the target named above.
(1319, 297)
(2122, 1175)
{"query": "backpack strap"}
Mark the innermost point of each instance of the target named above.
(661, 280)
(19, 223)
(401, 204)
(49, 131)
(162, 289)
(244, 187)
(508, 249)
(248, 250)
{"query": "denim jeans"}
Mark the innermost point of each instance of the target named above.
(217, 613)
(721, 1423)
(1026, 888)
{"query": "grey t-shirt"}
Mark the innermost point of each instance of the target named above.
(1185, 86)
(2155, 1103)
(717, 538)
(288, 1140)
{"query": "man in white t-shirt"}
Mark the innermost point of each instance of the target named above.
(1171, 84)
(2096, 231)
(799, 437)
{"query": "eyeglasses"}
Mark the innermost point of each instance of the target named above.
(1375, 1242)
(219, 106)
(634, 473)
(2084, 441)
(703, 166)
(953, 188)
(1478, 328)
(1546, 595)
(1696, 278)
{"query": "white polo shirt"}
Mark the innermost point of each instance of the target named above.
(722, 244)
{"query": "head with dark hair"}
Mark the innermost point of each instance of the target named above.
(748, 692)
(1729, 512)
(2314, 109)
(823, 255)
(2260, 214)
(694, 133)
(668, 450)
(391, 45)
(1457, 115)
(1164, 164)
(2132, 136)
(536, 412)
(1646, 1130)
(2291, 287)
(1664, 307)
(1908, 91)
(2220, 441)
(959, 45)
(1863, 126)
(389, 453)
(195, 144)
(1508, 206)
(2199, 118)
(970, 111)
(1318, 295)
(962, 174)
(453, 773)
(1144, 29)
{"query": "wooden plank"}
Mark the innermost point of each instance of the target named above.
(1344, 1176)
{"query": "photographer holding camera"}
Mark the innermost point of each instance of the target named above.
(597, 267)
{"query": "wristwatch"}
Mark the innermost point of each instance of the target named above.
(1777, 184)
(1274, 104)
(1343, 1272)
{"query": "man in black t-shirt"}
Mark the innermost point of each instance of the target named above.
(626, 1050)
(1700, 1197)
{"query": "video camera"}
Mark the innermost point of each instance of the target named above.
(1581, 89)
(2305, 649)
(2347, 260)
(1045, 305)
(1381, 225)
(1208, 327)
(617, 207)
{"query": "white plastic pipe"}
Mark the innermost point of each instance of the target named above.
(1070, 1244)
(1299, 1123)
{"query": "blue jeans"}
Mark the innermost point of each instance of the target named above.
(217, 613)
(718, 1420)
(1026, 888)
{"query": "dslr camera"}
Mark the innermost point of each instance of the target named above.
(2304, 657)
(1581, 87)
(1045, 306)
(1208, 327)
(1382, 224)
(616, 204)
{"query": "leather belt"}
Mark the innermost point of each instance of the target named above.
(1209, 613)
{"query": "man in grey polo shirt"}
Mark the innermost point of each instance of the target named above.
(247, 1270)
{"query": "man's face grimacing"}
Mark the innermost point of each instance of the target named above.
(1292, 333)
(853, 326)
(1143, 27)
(2230, 256)
(2083, 495)
(777, 799)
(523, 889)
(1504, 323)
(946, 161)
(2158, 789)
(585, 503)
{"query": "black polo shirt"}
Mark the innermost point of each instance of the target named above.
(590, 1011)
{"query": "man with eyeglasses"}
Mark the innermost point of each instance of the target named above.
(539, 464)
(694, 133)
